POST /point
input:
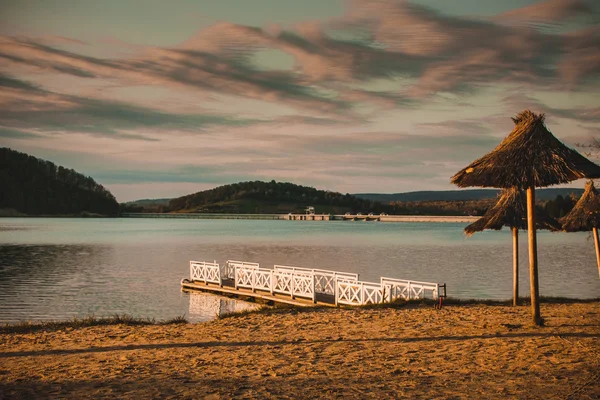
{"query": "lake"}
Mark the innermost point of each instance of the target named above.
(60, 268)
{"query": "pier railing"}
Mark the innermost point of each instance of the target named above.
(293, 283)
(252, 278)
(206, 272)
(410, 290)
(307, 283)
(228, 271)
(357, 293)
(324, 279)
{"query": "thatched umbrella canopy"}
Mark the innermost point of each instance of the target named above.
(510, 211)
(530, 156)
(585, 216)
(530, 149)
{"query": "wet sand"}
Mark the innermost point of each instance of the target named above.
(460, 352)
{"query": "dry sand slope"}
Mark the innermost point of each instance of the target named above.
(460, 352)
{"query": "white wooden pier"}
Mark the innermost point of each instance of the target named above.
(303, 286)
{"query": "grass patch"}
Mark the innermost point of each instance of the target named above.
(485, 302)
(174, 321)
(124, 319)
(523, 301)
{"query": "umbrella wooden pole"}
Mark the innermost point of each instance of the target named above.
(515, 232)
(533, 262)
(597, 243)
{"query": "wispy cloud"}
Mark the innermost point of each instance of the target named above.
(374, 39)
(26, 106)
(220, 72)
(17, 134)
(549, 11)
(582, 114)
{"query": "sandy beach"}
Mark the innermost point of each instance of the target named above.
(459, 352)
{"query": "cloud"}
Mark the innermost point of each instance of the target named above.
(196, 174)
(458, 53)
(582, 114)
(12, 83)
(583, 56)
(455, 52)
(548, 11)
(465, 126)
(17, 134)
(26, 106)
(307, 120)
(221, 72)
(377, 39)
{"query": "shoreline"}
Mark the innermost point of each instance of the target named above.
(312, 218)
(274, 217)
(415, 351)
(266, 308)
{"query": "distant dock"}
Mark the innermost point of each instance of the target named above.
(380, 218)
(310, 217)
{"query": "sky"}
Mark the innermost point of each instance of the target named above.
(159, 99)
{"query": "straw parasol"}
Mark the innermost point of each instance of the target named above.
(529, 157)
(585, 216)
(510, 210)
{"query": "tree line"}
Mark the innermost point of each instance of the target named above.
(38, 187)
(276, 192)
(556, 208)
(294, 198)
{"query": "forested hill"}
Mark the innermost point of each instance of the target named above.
(272, 197)
(280, 198)
(33, 186)
(462, 195)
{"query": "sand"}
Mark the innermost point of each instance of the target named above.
(460, 352)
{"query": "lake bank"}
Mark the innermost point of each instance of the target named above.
(462, 351)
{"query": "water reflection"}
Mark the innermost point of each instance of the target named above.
(55, 282)
(206, 306)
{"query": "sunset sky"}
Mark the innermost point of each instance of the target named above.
(164, 98)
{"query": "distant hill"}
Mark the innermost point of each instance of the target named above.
(272, 197)
(461, 195)
(146, 205)
(148, 202)
(34, 186)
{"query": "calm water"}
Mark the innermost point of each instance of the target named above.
(62, 268)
